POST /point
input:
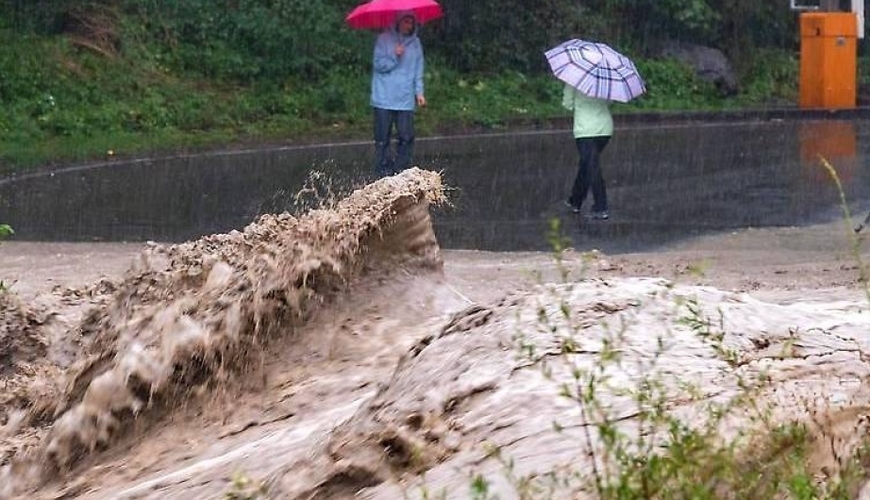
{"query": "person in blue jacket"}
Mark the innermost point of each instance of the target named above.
(397, 88)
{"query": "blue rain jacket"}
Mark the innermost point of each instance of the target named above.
(397, 81)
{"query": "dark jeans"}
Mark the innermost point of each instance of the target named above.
(385, 164)
(589, 173)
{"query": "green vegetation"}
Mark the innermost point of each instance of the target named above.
(855, 242)
(5, 231)
(106, 78)
(243, 487)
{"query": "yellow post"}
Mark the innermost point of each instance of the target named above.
(829, 58)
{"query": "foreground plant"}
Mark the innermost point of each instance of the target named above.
(679, 440)
(243, 487)
(5, 232)
(847, 220)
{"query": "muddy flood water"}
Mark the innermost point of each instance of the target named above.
(291, 330)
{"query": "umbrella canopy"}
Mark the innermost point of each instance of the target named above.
(380, 14)
(596, 70)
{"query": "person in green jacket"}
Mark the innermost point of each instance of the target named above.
(593, 127)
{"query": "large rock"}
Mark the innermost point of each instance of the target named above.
(709, 64)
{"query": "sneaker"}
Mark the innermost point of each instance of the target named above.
(603, 215)
(573, 208)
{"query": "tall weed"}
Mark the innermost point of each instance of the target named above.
(5, 232)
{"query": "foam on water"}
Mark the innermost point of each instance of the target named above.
(188, 314)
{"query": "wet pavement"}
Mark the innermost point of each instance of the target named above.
(666, 182)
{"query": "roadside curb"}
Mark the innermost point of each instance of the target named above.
(636, 119)
(766, 114)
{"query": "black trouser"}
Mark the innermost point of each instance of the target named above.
(589, 173)
(385, 119)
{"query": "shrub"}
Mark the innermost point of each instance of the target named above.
(5, 231)
(247, 40)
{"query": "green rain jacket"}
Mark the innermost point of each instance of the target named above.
(592, 116)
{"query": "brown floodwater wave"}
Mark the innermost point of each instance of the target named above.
(187, 316)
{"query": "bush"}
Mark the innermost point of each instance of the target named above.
(772, 76)
(246, 41)
(5, 231)
(671, 85)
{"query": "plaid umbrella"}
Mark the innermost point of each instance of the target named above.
(596, 70)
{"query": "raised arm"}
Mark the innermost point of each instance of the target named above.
(385, 59)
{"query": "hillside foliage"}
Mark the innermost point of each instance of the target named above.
(85, 78)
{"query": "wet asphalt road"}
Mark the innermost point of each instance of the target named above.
(667, 180)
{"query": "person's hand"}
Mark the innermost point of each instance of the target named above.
(421, 101)
(400, 49)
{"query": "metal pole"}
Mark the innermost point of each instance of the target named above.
(858, 8)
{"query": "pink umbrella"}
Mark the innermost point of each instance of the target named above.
(380, 14)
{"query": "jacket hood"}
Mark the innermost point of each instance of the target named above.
(403, 14)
